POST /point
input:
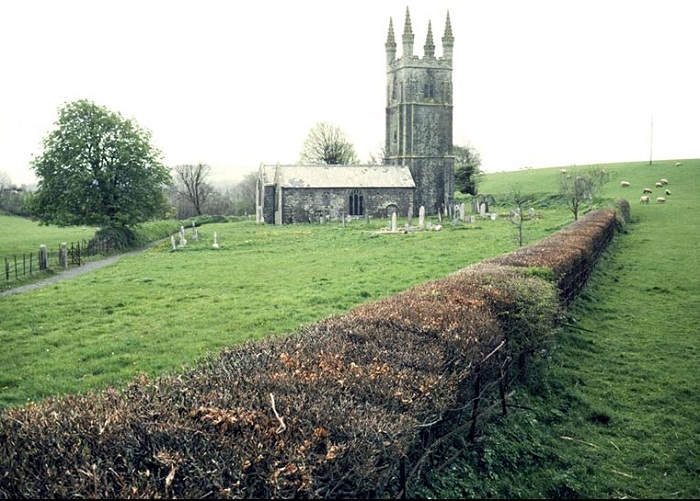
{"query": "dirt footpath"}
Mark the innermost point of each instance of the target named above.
(72, 272)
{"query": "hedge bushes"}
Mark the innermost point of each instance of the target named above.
(353, 406)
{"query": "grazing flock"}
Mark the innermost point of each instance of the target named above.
(646, 192)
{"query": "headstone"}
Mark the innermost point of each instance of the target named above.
(216, 244)
(421, 218)
(195, 234)
(494, 216)
(462, 211)
(172, 241)
(438, 227)
(532, 213)
(409, 216)
(393, 221)
(482, 210)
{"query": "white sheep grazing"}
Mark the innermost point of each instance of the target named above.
(668, 192)
(659, 185)
(663, 180)
(660, 200)
(646, 190)
(678, 164)
(644, 199)
(625, 184)
(563, 171)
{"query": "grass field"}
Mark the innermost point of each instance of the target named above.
(616, 415)
(163, 309)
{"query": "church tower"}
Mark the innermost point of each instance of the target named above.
(419, 116)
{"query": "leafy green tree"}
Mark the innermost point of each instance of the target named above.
(98, 169)
(467, 168)
(579, 188)
(327, 144)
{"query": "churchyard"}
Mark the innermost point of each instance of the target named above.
(618, 405)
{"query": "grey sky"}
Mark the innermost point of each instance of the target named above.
(234, 84)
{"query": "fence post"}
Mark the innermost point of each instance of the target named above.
(43, 257)
(7, 270)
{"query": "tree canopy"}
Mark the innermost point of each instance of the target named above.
(98, 169)
(467, 168)
(327, 144)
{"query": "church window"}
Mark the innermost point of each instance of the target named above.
(356, 203)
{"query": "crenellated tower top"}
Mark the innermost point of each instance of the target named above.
(408, 37)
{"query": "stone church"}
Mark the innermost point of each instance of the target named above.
(418, 168)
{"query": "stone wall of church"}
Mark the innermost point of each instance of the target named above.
(307, 205)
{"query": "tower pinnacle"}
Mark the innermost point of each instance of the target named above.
(390, 43)
(448, 40)
(429, 47)
(407, 36)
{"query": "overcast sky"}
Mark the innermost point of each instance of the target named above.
(234, 84)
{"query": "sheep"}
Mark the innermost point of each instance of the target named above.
(678, 164)
(659, 185)
(663, 180)
(563, 171)
(646, 190)
(625, 184)
(668, 192)
(644, 199)
(660, 200)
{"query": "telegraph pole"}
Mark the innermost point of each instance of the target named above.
(651, 139)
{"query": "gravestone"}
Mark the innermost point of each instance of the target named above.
(421, 218)
(172, 241)
(216, 244)
(393, 221)
(532, 213)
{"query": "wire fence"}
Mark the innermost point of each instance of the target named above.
(45, 260)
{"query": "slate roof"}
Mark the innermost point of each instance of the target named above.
(338, 176)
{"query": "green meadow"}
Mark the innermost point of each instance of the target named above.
(613, 413)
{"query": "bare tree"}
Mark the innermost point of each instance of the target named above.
(576, 188)
(327, 144)
(191, 184)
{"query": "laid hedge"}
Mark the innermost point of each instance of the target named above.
(352, 406)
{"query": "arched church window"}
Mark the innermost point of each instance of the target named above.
(356, 203)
